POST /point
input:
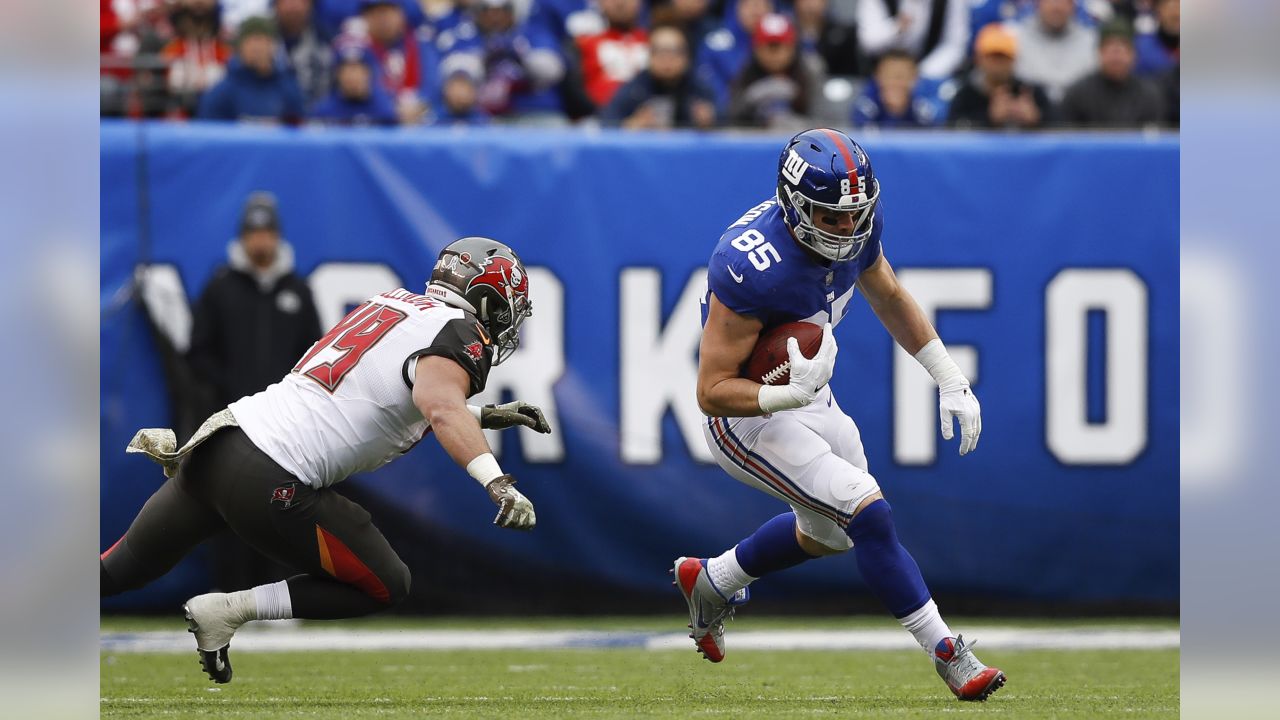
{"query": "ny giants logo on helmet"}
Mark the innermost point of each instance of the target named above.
(793, 170)
(501, 273)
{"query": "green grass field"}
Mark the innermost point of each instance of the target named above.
(630, 683)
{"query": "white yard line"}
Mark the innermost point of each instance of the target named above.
(293, 639)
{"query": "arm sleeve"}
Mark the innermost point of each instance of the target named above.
(462, 342)
(946, 58)
(624, 103)
(203, 353)
(876, 30)
(309, 321)
(213, 104)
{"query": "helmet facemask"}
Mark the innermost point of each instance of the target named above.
(504, 319)
(830, 245)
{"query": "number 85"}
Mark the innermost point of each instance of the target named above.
(758, 251)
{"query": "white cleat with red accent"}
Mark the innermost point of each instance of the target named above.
(967, 677)
(708, 609)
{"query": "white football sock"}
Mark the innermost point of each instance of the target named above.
(272, 601)
(726, 574)
(927, 625)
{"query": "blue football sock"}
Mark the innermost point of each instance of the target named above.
(772, 548)
(885, 565)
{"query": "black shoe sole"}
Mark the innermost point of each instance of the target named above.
(215, 663)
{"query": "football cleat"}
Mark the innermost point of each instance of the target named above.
(213, 619)
(967, 677)
(708, 609)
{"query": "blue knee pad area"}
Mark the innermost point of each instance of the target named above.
(885, 565)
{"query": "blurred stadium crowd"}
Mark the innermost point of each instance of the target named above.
(646, 64)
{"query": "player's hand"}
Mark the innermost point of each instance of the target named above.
(808, 375)
(515, 512)
(507, 415)
(956, 400)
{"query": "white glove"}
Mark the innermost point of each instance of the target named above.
(808, 375)
(955, 399)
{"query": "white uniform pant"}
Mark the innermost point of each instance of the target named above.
(810, 458)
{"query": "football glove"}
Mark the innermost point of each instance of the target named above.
(808, 375)
(507, 415)
(515, 512)
(956, 400)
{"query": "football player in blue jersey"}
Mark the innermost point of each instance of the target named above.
(799, 256)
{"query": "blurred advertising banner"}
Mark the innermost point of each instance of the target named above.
(1049, 264)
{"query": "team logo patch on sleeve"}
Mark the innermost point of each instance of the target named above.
(475, 350)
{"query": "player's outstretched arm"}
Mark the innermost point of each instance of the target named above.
(906, 322)
(727, 341)
(440, 392)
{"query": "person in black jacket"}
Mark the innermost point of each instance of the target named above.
(666, 95)
(256, 317)
(1113, 96)
(992, 96)
(253, 321)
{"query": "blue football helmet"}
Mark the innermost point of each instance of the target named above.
(825, 169)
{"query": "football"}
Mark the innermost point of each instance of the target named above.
(769, 363)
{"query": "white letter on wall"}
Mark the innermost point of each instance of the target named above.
(1123, 297)
(659, 366)
(915, 395)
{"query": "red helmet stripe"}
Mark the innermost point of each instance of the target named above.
(846, 154)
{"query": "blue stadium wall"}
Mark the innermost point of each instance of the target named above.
(1049, 262)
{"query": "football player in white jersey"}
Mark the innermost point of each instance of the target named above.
(397, 367)
(798, 256)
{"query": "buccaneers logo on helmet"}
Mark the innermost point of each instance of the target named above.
(503, 275)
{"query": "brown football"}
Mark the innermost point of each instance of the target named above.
(769, 363)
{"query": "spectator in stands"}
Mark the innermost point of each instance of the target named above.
(306, 50)
(134, 74)
(258, 86)
(251, 323)
(460, 98)
(935, 32)
(256, 316)
(727, 49)
(339, 17)
(667, 95)
(357, 97)
(835, 43)
(1054, 48)
(691, 16)
(441, 15)
(1113, 96)
(235, 12)
(776, 89)
(386, 32)
(613, 57)
(196, 56)
(522, 65)
(890, 99)
(992, 96)
(1169, 83)
(565, 20)
(1157, 43)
